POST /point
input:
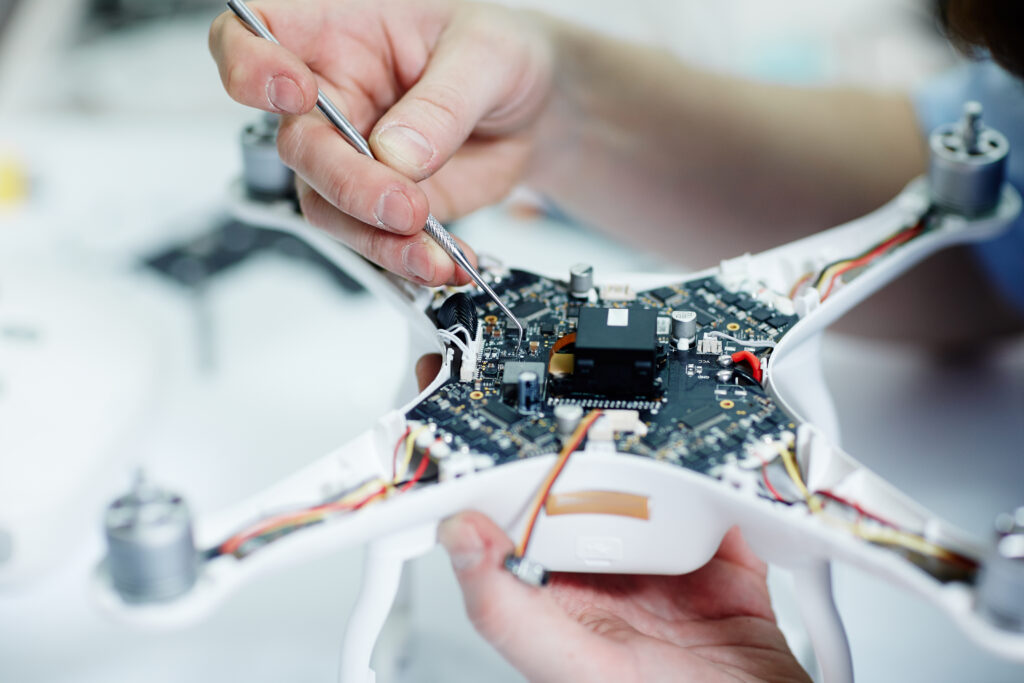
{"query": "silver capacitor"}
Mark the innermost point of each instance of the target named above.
(567, 417)
(684, 325)
(968, 164)
(528, 391)
(581, 280)
(151, 555)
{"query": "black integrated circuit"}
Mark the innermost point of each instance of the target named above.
(614, 355)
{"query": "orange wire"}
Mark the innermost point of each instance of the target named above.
(235, 542)
(549, 481)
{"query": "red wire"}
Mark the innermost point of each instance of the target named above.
(768, 483)
(754, 361)
(857, 508)
(394, 458)
(890, 243)
(424, 461)
(235, 542)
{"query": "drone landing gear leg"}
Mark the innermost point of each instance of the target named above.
(825, 626)
(382, 574)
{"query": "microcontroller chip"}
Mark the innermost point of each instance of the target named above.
(500, 412)
(663, 294)
(526, 309)
(761, 314)
(695, 418)
(616, 351)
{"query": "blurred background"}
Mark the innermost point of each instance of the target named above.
(140, 324)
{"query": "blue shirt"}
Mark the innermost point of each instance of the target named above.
(1002, 96)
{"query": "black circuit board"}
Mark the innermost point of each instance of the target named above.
(692, 420)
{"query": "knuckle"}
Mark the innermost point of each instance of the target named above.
(374, 244)
(235, 77)
(342, 189)
(290, 140)
(445, 105)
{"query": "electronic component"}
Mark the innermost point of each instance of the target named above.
(709, 346)
(150, 552)
(567, 417)
(617, 292)
(526, 570)
(684, 326)
(510, 383)
(528, 392)
(616, 351)
(581, 280)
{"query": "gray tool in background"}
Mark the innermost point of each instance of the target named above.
(349, 132)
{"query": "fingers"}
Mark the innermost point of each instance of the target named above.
(356, 184)
(523, 623)
(465, 79)
(416, 256)
(259, 73)
(427, 368)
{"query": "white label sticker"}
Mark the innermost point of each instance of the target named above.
(618, 317)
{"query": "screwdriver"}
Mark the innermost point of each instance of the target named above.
(433, 227)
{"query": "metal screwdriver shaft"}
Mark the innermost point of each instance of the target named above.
(433, 227)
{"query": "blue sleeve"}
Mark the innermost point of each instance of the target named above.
(1002, 96)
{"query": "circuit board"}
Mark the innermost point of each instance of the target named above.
(687, 410)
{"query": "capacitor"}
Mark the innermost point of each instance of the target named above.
(567, 417)
(528, 391)
(684, 325)
(581, 280)
(151, 555)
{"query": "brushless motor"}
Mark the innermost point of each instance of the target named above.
(1000, 596)
(968, 164)
(266, 177)
(150, 552)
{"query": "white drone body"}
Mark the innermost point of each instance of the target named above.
(789, 536)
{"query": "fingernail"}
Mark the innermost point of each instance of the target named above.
(394, 211)
(417, 261)
(406, 145)
(463, 543)
(285, 94)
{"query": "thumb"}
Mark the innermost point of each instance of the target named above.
(475, 71)
(523, 623)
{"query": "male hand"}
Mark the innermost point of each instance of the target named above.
(447, 93)
(714, 624)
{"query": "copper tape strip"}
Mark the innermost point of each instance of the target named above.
(598, 503)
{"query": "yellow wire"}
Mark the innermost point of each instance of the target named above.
(410, 443)
(882, 535)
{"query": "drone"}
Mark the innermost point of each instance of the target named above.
(629, 410)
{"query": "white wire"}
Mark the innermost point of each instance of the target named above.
(449, 337)
(458, 327)
(752, 343)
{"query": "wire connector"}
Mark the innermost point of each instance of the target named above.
(527, 571)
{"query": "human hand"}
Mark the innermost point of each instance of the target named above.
(713, 624)
(448, 93)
